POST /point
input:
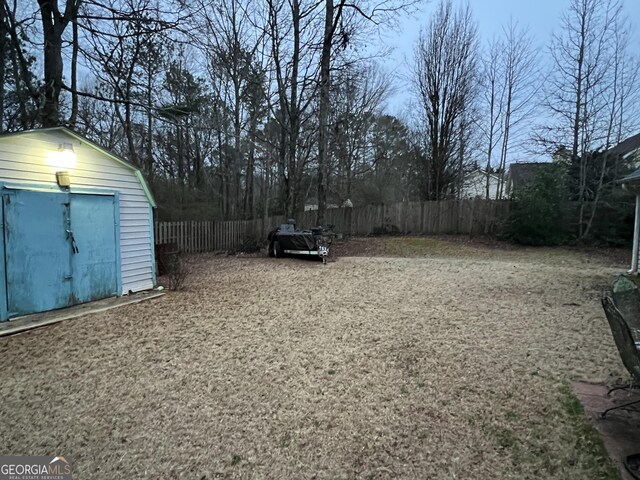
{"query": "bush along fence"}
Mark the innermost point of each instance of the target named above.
(472, 217)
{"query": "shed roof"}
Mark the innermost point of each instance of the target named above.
(95, 146)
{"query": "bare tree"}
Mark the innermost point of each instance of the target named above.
(292, 27)
(622, 93)
(444, 76)
(581, 55)
(493, 98)
(342, 20)
(521, 85)
(21, 88)
(232, 50)
(357, 93)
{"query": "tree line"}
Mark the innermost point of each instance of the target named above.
(242, 109)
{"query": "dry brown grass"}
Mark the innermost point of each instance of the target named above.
(451, 366)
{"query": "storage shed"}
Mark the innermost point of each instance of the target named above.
(77, 223)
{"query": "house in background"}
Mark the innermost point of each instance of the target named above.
(522, 174)
(475, 185)
(626, 149)
(77, 223)
(313, 207)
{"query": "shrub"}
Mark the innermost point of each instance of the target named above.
(386, 229)
(538, 215)
(250, 244)
(177, 271)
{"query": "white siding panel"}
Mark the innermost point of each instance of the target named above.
(133, 253)
(25, 160)
(140, 286)
(137, 265)
(135, 229)
(138, 277)
(30, 163)
(136, 216)
(133, 239)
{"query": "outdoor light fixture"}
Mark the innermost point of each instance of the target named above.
(63, 179)
(64, 158)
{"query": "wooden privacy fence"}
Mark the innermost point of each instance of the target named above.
(472, 217)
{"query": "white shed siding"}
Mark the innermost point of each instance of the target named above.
(24, 161)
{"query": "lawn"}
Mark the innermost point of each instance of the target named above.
(429, 358)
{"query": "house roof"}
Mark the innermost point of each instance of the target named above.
(521, 174)
(95, 146)
(477, 171)
(627, 147)
(631, 178)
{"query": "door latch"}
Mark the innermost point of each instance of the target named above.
(74, 245)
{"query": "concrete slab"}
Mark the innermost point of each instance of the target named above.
(620, 429)
(27, 322)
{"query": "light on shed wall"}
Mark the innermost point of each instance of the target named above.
(64, 158)
(63, 179)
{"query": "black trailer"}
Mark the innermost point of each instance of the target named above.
(287, 240)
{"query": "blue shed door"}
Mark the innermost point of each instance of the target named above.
(94, 261)
(37, 251)
(60, 249)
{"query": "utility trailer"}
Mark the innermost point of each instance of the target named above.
(287, 240)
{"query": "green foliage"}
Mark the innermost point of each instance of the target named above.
(614, 218)
(538, 211)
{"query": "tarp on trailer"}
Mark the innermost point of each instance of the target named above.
(296, 241)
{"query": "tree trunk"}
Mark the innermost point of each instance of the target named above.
(490, 146)
(149, 123)
(294, 115)
(461, 161)
(576, 123)
(3, 50)
(74, 71)
(505, 145)
(128, 128)
(237, 137)
(52, 32)
(248, 192)
(223, 198)
(325, 65)
(265, 196)
(53, 26)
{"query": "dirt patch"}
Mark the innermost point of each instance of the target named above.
(445, 366)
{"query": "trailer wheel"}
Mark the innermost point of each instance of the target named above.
(277, 249)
